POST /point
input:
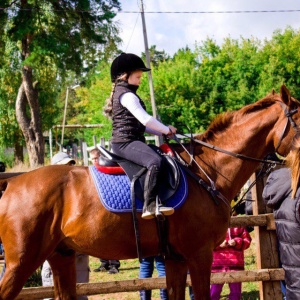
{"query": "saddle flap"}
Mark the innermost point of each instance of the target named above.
(174, 173)
(170, 178)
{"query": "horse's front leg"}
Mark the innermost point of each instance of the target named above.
(176, 273)
(200, 269)
(64, 276)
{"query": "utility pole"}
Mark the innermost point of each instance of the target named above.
(157, 140)
(64, 120)
(65, 113)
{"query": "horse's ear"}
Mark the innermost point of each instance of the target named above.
(285, 95)
(273, 92)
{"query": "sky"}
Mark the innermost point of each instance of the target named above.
(170, 32)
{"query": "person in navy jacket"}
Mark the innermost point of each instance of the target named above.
(282, 193)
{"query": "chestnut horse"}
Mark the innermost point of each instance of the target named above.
(53, 211)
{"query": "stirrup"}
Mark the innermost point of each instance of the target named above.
(148, 215)
(158, 213)
(167, 211)
(163, 210)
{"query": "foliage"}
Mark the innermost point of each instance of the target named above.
(156, 56)
(229, 75)
(45, 41)
(177, 90)
(86, 104)
(35, 279)
(192, 87)
(282, 62)
(9, 82)
(64, 33)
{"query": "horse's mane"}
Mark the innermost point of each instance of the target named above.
(293, 162)
(225, 120)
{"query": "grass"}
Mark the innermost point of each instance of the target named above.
(129, 269)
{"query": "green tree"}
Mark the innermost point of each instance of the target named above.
(11, 135)
(176, 89)
(90, 101)
(52, 37)
(281, 59)
(230, 74)
(156, 56)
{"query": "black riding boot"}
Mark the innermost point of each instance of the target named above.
(150, 193)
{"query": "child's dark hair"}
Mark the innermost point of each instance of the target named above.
(108, 105)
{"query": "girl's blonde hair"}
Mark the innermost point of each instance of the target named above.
(108, 105)
(293, 162)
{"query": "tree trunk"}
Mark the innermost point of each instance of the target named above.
(28, 112)
(18, 151)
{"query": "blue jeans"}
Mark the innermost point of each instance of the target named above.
(191, 293)
(283, 288)
(146, 271)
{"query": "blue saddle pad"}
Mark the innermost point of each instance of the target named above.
(114, 192)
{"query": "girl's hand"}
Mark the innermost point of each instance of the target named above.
(232, 243)
(172, 130)
(224, 244)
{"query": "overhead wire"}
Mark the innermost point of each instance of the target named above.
(132, 33)
(213, 12)
(168, 12)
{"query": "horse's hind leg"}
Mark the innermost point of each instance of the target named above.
(64, 275)
(176, 272)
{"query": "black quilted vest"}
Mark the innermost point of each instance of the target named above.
(126, 127)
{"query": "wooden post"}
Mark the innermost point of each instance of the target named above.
(266, 245)
(85, 154)
(95, 141)
(81, 151)
(102, 142)
(75, 151)
(56, 137)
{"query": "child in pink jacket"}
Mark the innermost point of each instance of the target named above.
(229, 256)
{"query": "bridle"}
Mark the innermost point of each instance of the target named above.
(271, 163)
(289, 119)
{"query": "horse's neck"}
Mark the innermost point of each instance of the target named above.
(244, 137)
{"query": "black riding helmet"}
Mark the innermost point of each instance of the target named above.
(126, 63)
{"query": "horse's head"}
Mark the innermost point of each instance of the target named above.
(288, 122)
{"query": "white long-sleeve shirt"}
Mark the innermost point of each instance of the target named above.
(132, 103)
